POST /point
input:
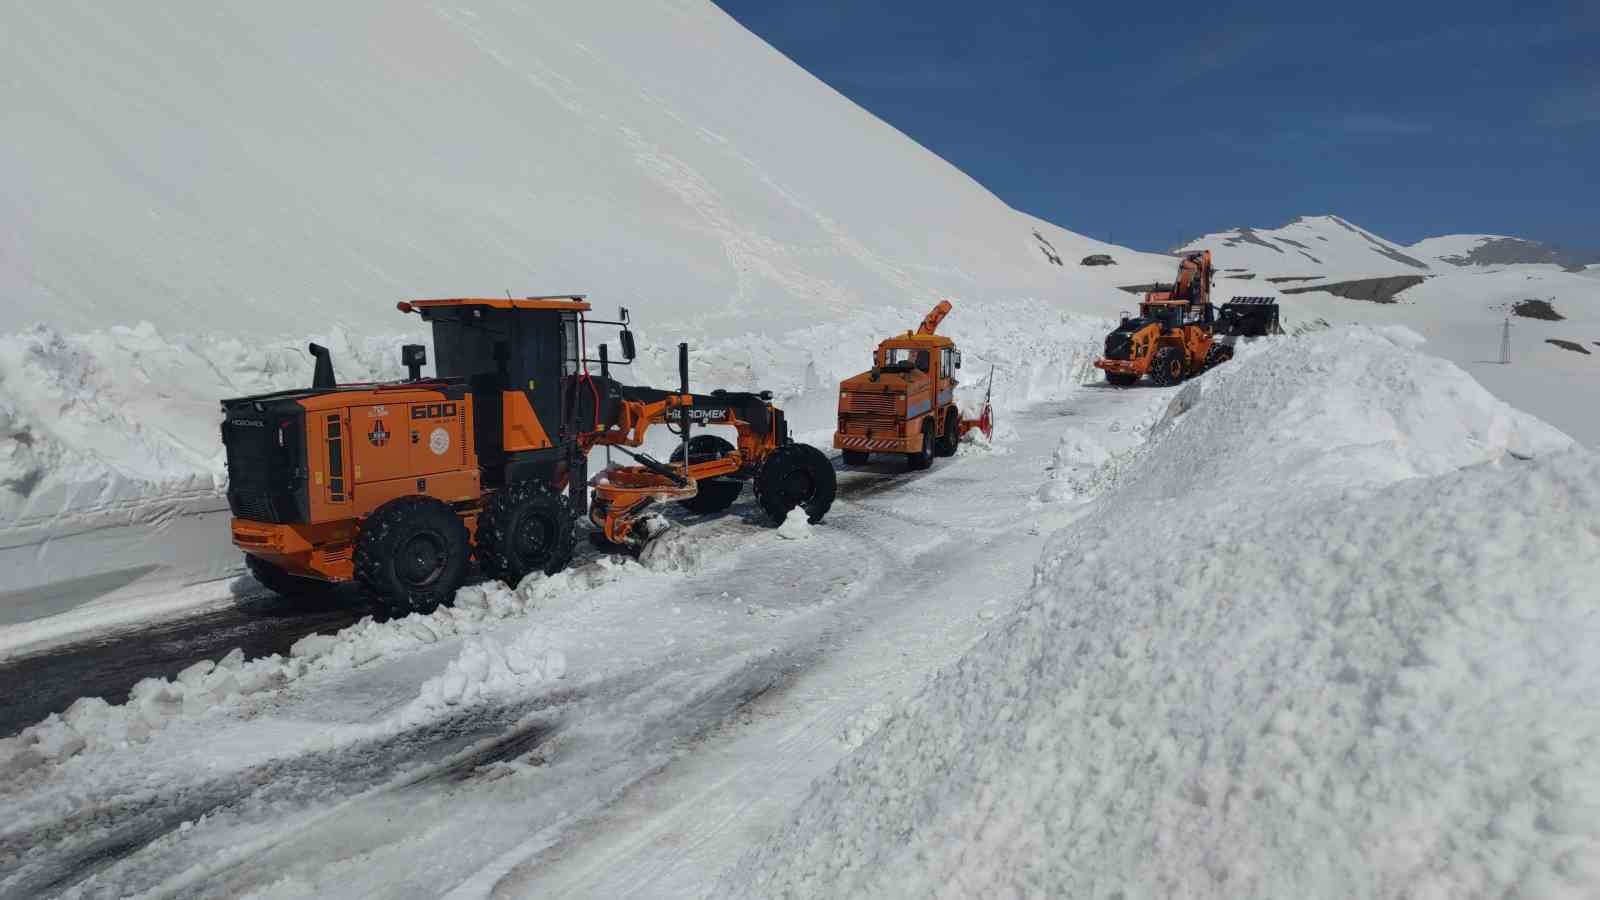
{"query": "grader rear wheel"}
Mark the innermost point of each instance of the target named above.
(411, 555)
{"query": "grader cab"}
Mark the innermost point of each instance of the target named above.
(398, 486)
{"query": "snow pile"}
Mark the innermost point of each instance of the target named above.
(486, 670)
(795, 527)
(1333, 640)
(1330, 411)
(483, 669)
(673, 549)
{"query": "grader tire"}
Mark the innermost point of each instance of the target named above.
(795, 475)
(525, 528)
(411, 555)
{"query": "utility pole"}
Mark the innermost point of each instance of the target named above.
(1505, 343)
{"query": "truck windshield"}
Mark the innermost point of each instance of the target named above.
(905, 359)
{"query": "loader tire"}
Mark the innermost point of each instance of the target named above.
(716, 494)
(1166, 369)
(525, 528)
(1122, 379)
(923, 458)
(411, 555)
(795, 475)
(1217, 355)
(948, 442)
(284, 584)
(857, 457)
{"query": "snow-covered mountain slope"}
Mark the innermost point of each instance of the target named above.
(191, 195)
(274, 169)
(1310, 245)
(1363, 667)
(1498, 250)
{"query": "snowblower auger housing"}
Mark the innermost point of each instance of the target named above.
(399, 485)
(906, 403)
(1174, 334)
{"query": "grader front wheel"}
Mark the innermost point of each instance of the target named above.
(795, 475)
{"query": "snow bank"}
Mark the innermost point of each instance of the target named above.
(1328, 639)
(484, 668)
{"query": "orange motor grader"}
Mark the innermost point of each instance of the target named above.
(1174, 334)
(397, 486)
(906, 403)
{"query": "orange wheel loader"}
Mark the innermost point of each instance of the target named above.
(905, 404)
(399, 486)
(1173, 336)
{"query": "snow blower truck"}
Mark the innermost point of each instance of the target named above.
(397, 486)
(1174, 334)
(906, 403)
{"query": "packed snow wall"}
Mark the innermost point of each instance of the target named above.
(1330, 635)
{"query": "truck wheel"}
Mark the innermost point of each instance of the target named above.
(795, 475)
(716, 494)
(1167, 367)
(276, 580)
(1122, 379)
(525, 528)
(951, 439)
(411, 555)
(923, 458)
(857, 457)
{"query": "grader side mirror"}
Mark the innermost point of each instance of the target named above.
(957, 356)
(628, 351)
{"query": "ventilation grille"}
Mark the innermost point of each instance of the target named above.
(883, 404)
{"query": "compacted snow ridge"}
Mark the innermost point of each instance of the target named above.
(1330, 635)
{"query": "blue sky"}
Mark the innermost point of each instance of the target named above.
(1153, 122)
